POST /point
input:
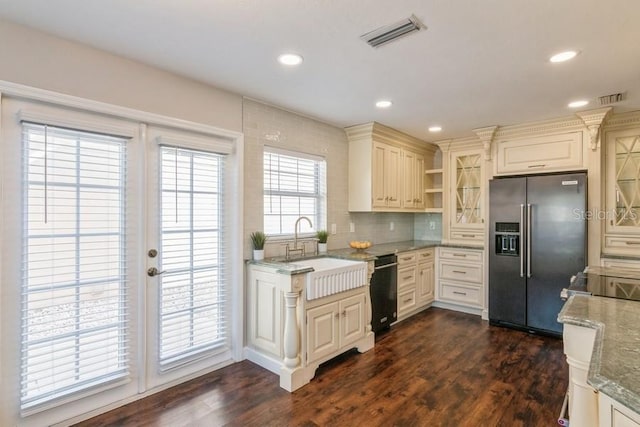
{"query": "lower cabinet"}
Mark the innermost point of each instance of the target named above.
(333, 326)
(426, 277)
(291, 335)
(615, 414)
(460, 278)
(415, 281)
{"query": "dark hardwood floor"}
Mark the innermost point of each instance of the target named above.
(439, 368)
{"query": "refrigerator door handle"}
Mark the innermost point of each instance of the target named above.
(528, 240)
(521, 240)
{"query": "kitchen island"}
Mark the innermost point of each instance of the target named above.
(602, 335)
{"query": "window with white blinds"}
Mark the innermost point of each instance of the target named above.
(74, 290)
(294, 186)
(192, 286)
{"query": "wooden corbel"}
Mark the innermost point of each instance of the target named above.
(486, 136)
(593, 120)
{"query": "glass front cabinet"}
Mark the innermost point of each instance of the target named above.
(466, 196)
(622, 191)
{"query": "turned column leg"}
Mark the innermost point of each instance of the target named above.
(291, 331)
(368, 309)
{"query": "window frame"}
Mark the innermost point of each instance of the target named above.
(319, 218)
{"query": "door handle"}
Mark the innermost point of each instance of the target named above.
(521, 240)
(153, 272)
(529, 240)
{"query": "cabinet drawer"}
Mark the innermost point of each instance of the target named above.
(460, 255)
(407, 276)
(623, 242)
(621, 263)
(468, 295)
(406, 300)
(469, 236)
(405, 258)
(426, 255)
(464, 272)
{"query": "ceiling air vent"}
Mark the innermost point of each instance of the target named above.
(393, 32)
(612, 99)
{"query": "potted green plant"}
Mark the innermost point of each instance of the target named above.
(322, 236)
(258, 239)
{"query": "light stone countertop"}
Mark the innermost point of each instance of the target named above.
(297, 266)
(615, 362)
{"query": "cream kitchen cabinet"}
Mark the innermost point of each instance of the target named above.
(615, 414)
(464, 218)
(413, 180)
(291, 335)
(460, 279)
(415, 281)
(425, 276)
(546, 153)
(386, 178)
(407, 284)
(622, 188)
(386, 169)
(333, 326)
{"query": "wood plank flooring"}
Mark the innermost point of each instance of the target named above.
(439, 368)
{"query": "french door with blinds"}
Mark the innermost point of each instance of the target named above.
(187, 280)
(121, 285)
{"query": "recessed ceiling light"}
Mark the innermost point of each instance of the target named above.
(290, 59)
(578, 104)
(563, 56)
(383, 104)
(435, 128)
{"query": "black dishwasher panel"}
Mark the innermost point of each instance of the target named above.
(384, 292)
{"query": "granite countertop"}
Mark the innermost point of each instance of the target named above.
(615, 362)
(297, 266)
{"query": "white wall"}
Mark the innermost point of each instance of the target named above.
(39, 60)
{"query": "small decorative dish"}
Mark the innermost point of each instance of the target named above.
(360, 246)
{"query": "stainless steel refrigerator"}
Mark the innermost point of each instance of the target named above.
(538, 240)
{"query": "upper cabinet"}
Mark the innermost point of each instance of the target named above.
(622, 188)
(385, 177)
(386, 169)
(465, 192)
(545, 153)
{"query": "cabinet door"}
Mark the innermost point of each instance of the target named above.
(467, 180)
(392, 169)
(351, 319)
(322, 331)
(409, 179)
(623, 182)
(265, 311)
(418, 188)
(561, 152)
(425, 283)
(378, 191)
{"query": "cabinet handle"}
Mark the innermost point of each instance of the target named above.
(536, 166)
(406, 259)
(337, 315)
(407, 277)
(460, 255)
(459, 272)
(407, 300)
(469, 235)
(344, 313)
(460, 293)
(628, 242)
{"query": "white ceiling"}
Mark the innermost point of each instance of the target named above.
(479, 63)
